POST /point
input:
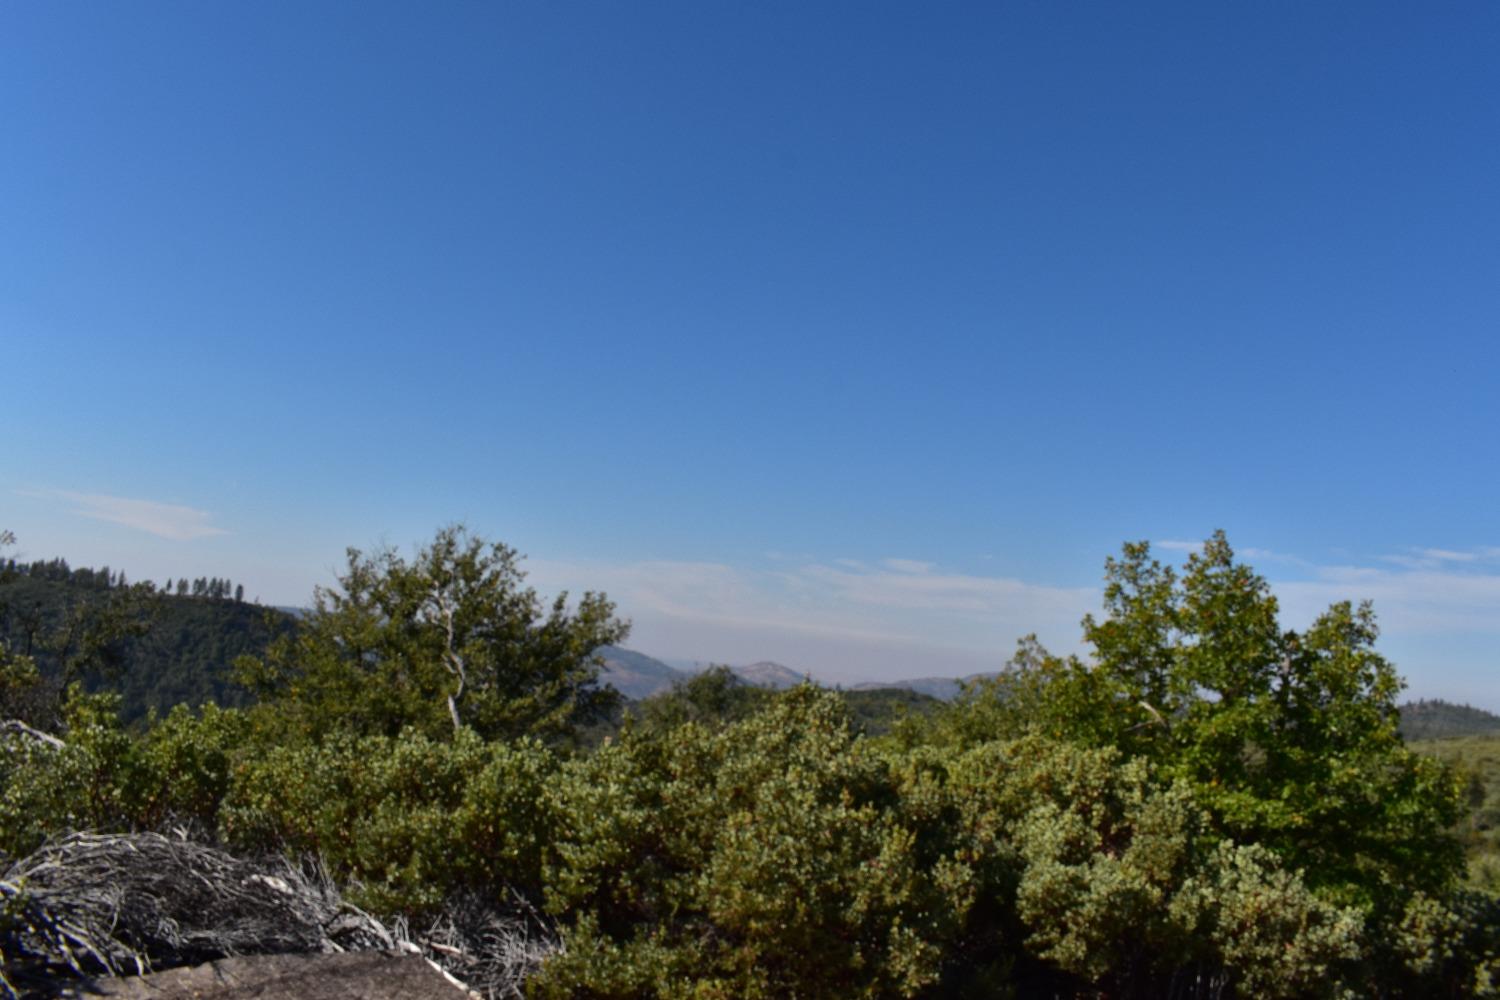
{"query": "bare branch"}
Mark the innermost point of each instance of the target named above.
(451, 658)
(22, 729)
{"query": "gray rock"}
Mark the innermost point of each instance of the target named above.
(364, 975)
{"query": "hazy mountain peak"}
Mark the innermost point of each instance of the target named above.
(636, 675)
(765, 673)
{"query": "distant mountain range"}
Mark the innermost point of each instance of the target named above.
(187, 655)
(194, 640)
(768, 674)
(636, 676)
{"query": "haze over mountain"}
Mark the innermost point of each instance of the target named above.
(636, 675)
(766, 673)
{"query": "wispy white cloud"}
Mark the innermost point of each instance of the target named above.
(1407, 600)
(837, 618)
(1249, 552)
(1267, 555)
(949, 593)
(1429, 558)
(847, 619)
(1408, 561)
(1448, 555)
(1423, 590)
(165, 520)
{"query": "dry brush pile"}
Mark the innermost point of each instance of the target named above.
(90, 905)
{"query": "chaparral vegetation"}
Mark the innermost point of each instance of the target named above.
(1205, 805)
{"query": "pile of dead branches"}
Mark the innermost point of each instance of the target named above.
(491, 950)
(94, 904)
(99, 904)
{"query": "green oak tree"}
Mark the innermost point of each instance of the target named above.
(451, 638)
(1289, 738)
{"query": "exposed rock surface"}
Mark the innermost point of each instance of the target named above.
(365, 975)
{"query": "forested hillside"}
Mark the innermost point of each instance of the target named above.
(1437, 719)
(155, 647)
(1208, 806)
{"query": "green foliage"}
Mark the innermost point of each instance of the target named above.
(446, 640)
(1279, 938)
(1450, 947)
(879, 711)
(715, 697)
(1475, 761)
(88, 783)
(1037, 693)
(720, 862)
(103, 777)
(19, 678)
(186, 765)
(153, 650)
(1105, 873)
(409, 820)
(1289, 739)
(1095, 850)
(189, 654)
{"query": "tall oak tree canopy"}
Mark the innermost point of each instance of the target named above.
(449, 639)
(1289, 738)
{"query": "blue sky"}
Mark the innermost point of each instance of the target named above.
(850, 335)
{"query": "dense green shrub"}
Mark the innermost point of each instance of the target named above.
(714, 697)
(408, 820)
(1112, 876)
(765, 859)
(186, 763)
(93, 781)
(105, 777)
(1288, 740)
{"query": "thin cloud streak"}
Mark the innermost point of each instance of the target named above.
(1408, 601)
(841, 618)
(832, 618)
(164, 520)
(1430, 558)
(909, 566)
(1251, 552)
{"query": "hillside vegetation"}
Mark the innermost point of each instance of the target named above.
(156, 648)
(1475, 761)
(1436, 719)
(1209, 806)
